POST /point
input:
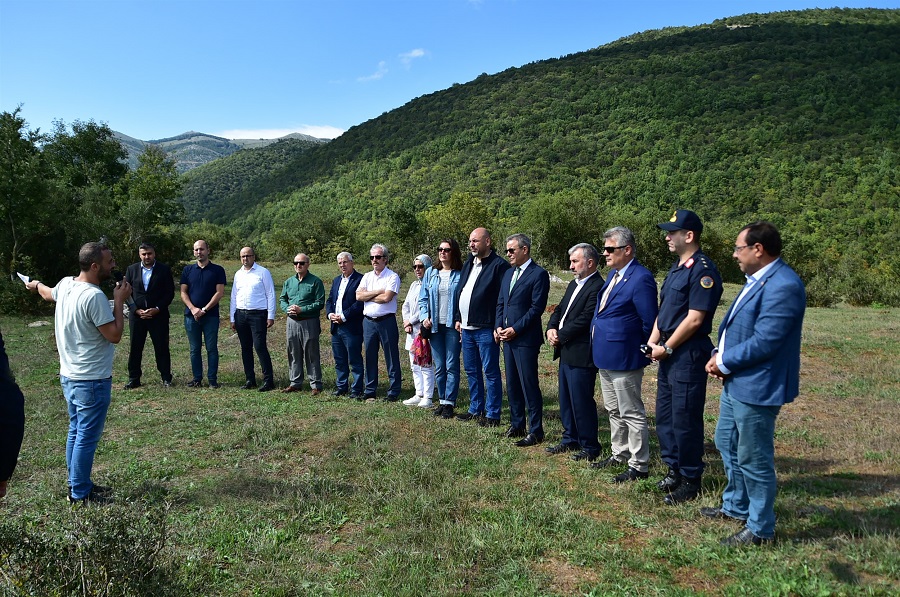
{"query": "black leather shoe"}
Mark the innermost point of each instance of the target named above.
(717, 513)
(466, 416)
(195, 383)
(584, 455)
(249, 385)
(608, 463)
(358, 397)
(630, 474)
(560, 448)
(339, 393)
(267, 387)
(448, 412)
(390, 398)
(670, 482)
(489, 422)
(687, 491)
(132, 384)
(529, 440)
(438, 410)
(514, 432)
(168, 384)
(745, 537)
(214, 385)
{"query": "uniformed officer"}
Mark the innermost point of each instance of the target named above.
(680, 343)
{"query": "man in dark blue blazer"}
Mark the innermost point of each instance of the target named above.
(758, 358)
(520, 305)
(346, 314)
(623, 321)
(569, 332)
(154, 289)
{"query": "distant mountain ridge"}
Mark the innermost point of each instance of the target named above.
(193, 149)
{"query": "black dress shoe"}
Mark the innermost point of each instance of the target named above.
(608, 463)
(584, 455)
(719, 514)
(132, 384)
(358, 397)
(514, 432)
(529, 440)
(687, 491)
(214, 385)
(438, 410)
(249, 385)
(560, 448)
(267, 387)
(339, 393)
(390, 398)
(195, 383)
(670, 482)
(466, 416)
(631, 474)
(745, 537)
(489, 422)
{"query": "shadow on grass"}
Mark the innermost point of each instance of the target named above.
(883, 521)
(839, 484)
(243, 487)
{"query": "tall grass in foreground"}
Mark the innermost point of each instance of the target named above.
(228, 492)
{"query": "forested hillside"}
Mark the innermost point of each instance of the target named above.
(788, 116)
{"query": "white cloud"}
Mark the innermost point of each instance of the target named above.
(378, 74)
(320, 131)
(407, 57)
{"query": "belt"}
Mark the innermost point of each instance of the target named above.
(251, 310)
(380, 317)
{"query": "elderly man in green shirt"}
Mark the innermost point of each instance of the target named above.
(302, 298)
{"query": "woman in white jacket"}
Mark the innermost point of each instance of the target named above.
(423, 375)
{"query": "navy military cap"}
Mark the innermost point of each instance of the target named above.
(683, 219)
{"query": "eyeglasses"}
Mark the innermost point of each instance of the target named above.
(742, 247)
(511, 251)
(419, 266)
(443, 249)
(301, 263)
(375, 257)
(611, 250)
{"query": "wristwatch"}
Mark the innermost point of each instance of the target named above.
(666, 348)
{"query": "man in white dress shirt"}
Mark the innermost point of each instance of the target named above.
(252, 314)
(378, 290)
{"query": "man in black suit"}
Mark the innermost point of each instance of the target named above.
(346, 315)
(522, 299)
(153, 291)
(569, 332)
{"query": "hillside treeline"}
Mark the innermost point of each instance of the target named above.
(791, 117)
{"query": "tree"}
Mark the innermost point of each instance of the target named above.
(149, 203)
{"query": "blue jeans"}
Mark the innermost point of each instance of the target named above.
(347, 350)
(205, 330)
(745, 436)
(481, 356)
(382, 333)
(88, 403)
(445, 352)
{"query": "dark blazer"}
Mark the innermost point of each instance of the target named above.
(160, 291)
(483, 304)
(762, 340)
(626, 322)
(352, 308)
(522, 310)
(575, 337)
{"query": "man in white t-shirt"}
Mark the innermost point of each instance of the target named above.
(86, 330)
(378, 291)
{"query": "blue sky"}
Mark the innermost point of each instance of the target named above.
(263, 68)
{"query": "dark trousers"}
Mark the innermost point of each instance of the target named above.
(250, 326)
(577, 409)
(680, 400)
(346, 347)
(12, 418)
(522, 388)
(158, 328)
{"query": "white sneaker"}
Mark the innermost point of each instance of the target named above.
(424, 403)
(412, 401)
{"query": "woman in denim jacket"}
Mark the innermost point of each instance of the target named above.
(436, 313)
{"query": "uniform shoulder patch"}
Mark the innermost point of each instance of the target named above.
(707, 282)
(689, 263)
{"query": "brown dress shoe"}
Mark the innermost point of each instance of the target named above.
(316, 391)
(290, 389)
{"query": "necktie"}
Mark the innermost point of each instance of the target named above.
(515, 278)
(606, 294)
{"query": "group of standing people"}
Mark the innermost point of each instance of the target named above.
(609, 329)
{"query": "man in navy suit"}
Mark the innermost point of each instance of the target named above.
(569, 332)
(153, 291)
(522, 300)
(346, 314)
(623, 321)
(758, 358)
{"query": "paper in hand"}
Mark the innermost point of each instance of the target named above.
(25, 279)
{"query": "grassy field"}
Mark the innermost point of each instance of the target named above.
(229, 492)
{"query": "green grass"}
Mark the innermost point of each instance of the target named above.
(231, 492)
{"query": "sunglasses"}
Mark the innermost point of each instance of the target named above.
(301, 263)
(443, 249)
(376, 257)
(611, 250)
(420, 266)
(511, 251)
